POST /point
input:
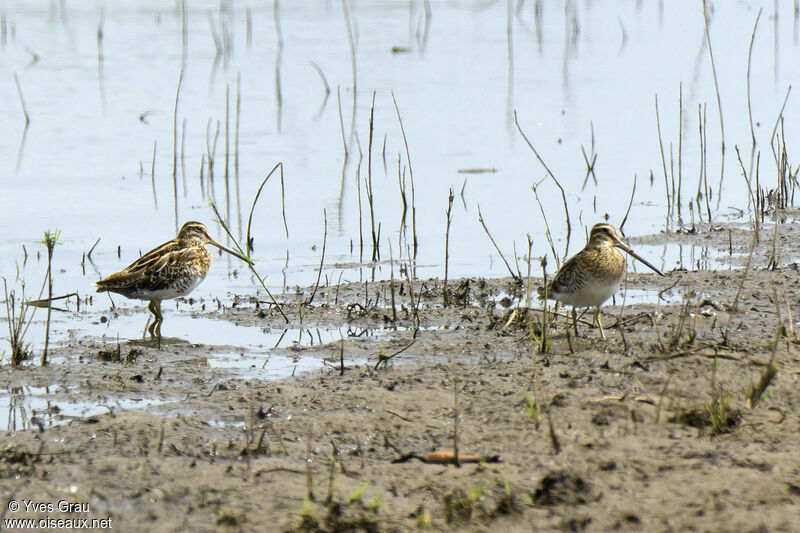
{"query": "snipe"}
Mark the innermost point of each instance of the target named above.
(173, 269)
(593, 275)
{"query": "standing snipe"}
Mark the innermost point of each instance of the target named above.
(173, 269)
(592, 276)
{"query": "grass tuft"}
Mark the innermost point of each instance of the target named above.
(18, 322)
(534, 409)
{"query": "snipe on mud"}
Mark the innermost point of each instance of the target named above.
(173, 269)
(593, 275)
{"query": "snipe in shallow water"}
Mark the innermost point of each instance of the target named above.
(173, 269)
(593, 275)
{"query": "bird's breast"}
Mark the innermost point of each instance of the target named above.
(590, 279)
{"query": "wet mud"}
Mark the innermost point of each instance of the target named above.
(665, 426)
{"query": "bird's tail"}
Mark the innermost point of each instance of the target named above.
(541, 292)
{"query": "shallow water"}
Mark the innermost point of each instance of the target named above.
(228, 344)
(32, 407)
(575, 72)
(255, 352)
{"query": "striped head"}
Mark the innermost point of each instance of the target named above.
(605, 235)
(196, 233)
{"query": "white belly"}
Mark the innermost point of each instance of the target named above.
(590, 295)
(182, 289)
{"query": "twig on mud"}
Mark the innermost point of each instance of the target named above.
(663, 160)
(750, 194)
(35, 456)
(224, 225)
(692, 351)
(341, 358)
(414, 305)
(517, 279)
(321, 259)
(161, 435)
(735, 305)
(376, 254)
(391, 282)
(446, 458)
(716, 90)
(617, 398)
(449, 216)
(662, 291)
(790, 321)
(621, 311)
(553, 437)
(309, 470)
(563, 194)
(45, 302)
(528, 285)
(780, 115)
(411, 177)
(756, 390)
(630, 203)
(89, 253)
(749, 59)
(546, 226)
(279, 434)
(398, 415)
(551, 312)
(279, 469)
(385, 358)
(631, 320)
(456, 460)
(253, 207)
(661, 397)
(543, 345)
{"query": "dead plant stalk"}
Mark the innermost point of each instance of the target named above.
(550, 173)
(517, 278)
(50, 239)
(449, 214)
(376, 255)
(321, 259)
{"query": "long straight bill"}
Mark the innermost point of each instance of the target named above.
(639, 258)
(234, 252)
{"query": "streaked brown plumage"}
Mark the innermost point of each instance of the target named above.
(173, 269)
(593, 275)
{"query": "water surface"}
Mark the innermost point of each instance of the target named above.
(580, 76)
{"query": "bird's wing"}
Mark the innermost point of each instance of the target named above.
(153, 256)
(564, 279)
(151, 271)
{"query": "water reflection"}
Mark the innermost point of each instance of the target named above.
(278, 59)
(251, 97)
(44, 407)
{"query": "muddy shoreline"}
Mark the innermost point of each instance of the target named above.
(591, 435)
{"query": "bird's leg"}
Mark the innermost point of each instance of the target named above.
(160, 319)
(152, 308)
(155, 327)
(575, 321)
(599, 322)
